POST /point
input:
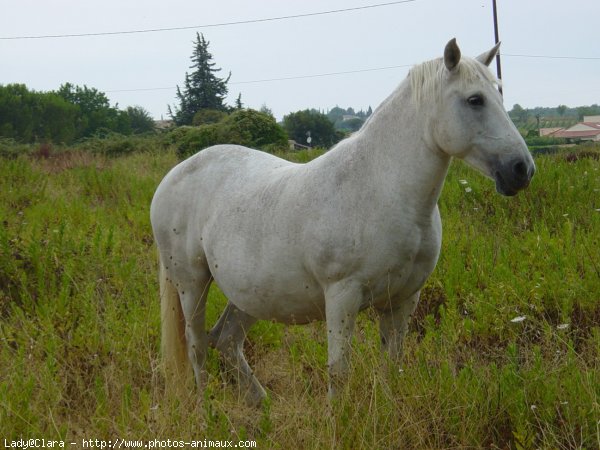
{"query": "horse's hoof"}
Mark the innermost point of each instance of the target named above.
(254, 397)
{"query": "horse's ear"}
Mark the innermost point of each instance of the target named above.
(451, 55)
(486, 58)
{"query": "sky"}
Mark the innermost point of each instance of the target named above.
(550, 48)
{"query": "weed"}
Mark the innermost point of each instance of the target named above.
(79, 321)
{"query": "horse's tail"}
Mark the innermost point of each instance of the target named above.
(173, 343)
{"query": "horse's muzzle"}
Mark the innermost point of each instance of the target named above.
(514, 176)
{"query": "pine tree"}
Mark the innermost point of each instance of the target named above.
(238, 102)
(202, 89)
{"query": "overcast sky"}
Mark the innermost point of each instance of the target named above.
(125, 65)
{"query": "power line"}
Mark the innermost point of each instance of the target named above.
(211, 25)
(584, 58)
(318, 75)
(347, 72)
(268, 80)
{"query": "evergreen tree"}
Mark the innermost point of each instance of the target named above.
(238, 102)
(202, 89)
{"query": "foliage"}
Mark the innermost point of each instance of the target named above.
(203, 89)
(71, 113)
(95, 112)
(29, 116)
(298, 125)
(539, 141)
(243, 127)
(11, 149)
(115, 144)
(140, 120)
(208, 116)
(190, 140)
(347, 119)
(79, 322)
(254, 129)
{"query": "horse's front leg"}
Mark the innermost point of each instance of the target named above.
(393, 325)
(342, 303)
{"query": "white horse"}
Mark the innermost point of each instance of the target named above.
(357, 227)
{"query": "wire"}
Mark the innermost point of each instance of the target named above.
(586, 58)
(212, 25)
(346, 72)
(317, 75)
(268, 80)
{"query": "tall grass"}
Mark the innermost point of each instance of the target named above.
(504, 350)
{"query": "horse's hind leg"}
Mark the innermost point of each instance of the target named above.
(193, 296)
(393, 325)
(228, 336)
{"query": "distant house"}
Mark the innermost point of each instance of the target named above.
(588, 130)
(592, 119)
(163, 124)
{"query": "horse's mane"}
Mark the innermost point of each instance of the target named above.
(427, 78)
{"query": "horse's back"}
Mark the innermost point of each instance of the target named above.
(206, 192)
(208, 173)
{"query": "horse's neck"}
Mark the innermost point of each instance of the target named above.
(398, 151)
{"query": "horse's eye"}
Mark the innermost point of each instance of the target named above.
(475, 100)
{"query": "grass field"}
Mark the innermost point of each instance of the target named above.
(504, 351)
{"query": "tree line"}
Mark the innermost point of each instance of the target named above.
(65, 115)
(521, 115)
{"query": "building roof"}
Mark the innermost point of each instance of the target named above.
(549, 131)
(576, 134)
(591, 125)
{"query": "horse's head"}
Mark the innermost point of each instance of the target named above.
(469, 120)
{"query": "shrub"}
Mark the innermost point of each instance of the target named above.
(114, 144)
(539, 141)
(189, 140)
(254, 129)
(243, 127)
(11, 149)
(208, 116)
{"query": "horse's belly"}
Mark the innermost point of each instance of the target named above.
(296, 304)
(273, 288)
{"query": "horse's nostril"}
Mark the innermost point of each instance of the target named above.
(520, 170)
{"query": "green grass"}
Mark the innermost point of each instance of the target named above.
(79, 322)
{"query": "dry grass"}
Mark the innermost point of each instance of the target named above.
(79, 324)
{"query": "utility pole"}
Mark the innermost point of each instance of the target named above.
(498, 64)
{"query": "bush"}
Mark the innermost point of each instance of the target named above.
(115, 145)
(243, 127)
(11, 149)
(254, 129)
(299, 125)
(189, 140)
(208, 116)
(541, 141)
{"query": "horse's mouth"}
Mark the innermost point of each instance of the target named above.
(509, 186)
(513, 176)
(502, 187)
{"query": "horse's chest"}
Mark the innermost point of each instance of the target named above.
(408, 269)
